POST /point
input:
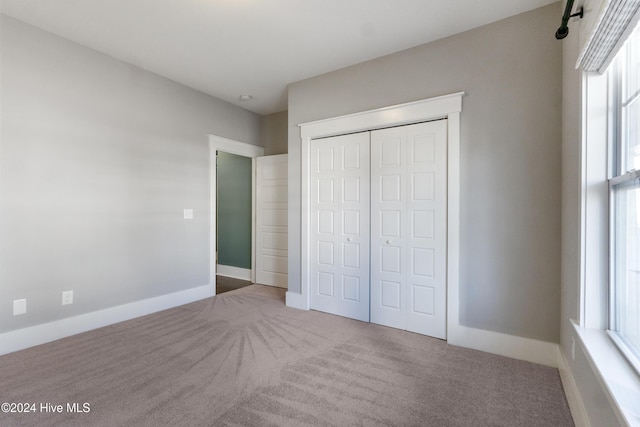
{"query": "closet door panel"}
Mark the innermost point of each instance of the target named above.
(408, 227)
(426, 210)
(388, 192)
(340, 225)
(378, 232)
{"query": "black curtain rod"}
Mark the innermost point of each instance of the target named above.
(563, 31)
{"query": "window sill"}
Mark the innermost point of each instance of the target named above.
(618, 377)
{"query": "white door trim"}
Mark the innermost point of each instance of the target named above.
(447, 106)
(218, 143)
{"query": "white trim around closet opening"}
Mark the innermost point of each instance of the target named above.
(447, 106)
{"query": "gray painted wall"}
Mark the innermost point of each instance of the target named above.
(275, 133)
(510, 158)
(98, 161)
(234, 210)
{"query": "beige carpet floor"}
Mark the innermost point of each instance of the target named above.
(243, 358)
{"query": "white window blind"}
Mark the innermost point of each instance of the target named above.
(616, 22)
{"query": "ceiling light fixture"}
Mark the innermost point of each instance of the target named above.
(245, 98)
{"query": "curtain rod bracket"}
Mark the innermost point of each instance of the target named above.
(563, 31)
(579, 13)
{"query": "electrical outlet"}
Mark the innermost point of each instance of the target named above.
(67, 297)
(188, 214)
(19, 306)
(573, 348)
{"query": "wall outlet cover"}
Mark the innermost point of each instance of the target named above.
(188, 214)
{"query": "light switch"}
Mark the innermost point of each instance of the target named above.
(188, 214)
(19, 306)
(67, 297)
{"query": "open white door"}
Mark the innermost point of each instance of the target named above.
(271, 220)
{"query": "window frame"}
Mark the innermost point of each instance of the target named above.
(619, 177)
(593, 345)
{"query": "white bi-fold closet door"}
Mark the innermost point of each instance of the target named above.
(378, 226)
(408, 227)
(340, 225)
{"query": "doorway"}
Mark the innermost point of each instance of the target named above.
(447, 106)
(234, 216)
(238, 148)
(378, 239)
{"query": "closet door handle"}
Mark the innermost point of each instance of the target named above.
(388, 242)
(348, 239)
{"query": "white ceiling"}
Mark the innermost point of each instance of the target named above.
(231, 47)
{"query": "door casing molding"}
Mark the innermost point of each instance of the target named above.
(218, 143)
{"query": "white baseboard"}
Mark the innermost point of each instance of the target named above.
(530, 350)
(47, 332)
(295, 300)
(234, 272)
(576, 405)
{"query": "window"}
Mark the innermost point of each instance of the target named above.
(625, 206)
